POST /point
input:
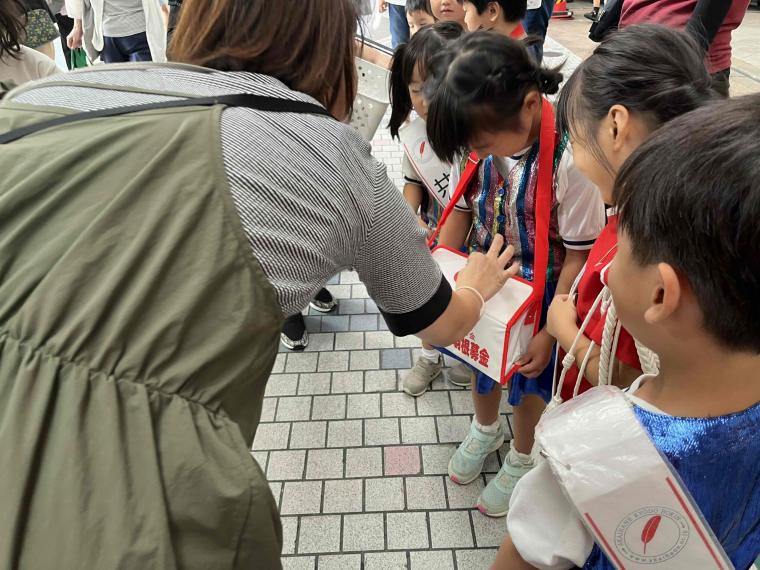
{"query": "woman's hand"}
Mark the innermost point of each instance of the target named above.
(382, 5)
(74, 39)
(562, 318)
(537, 356)
(488, 273)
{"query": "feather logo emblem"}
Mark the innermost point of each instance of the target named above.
(650, 529)
(652, 535)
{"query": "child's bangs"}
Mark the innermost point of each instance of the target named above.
(569, 109)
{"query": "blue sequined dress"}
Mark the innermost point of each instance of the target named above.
(718, 460)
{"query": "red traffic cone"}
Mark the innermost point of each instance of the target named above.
(560, 11)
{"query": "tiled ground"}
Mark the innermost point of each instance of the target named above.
(358, 468)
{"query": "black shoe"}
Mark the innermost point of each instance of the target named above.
(323, 301)
(593, 15)
(294, 335)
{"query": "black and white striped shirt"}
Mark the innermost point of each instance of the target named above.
(312, 199)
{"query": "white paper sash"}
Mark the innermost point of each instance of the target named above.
(628, 495)
(433, 173)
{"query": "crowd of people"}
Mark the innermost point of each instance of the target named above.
(163, 226)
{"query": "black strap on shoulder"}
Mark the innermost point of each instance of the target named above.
(258, 102)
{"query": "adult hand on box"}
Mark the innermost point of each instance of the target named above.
(488, 273)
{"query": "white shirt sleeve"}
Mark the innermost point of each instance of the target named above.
(544, 526)
(408, 172)
(581, 216)
(75, 9)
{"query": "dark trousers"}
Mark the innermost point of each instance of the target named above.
(126, 49)
(536, 23)
(65, 25)
(399, 25)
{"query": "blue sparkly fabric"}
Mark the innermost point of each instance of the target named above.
(718, 460)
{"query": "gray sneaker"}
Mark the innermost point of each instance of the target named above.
(461, 375)
(421, 376)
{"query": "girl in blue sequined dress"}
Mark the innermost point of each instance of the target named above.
(685, 283)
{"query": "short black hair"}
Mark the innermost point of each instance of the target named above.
(479, 83)
(514, 10)
(690, 197)
(417, 52)
(658, 84)
(12, 28)
(413, 6)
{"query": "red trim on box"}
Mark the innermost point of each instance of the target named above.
(607, 546)
(693, 520)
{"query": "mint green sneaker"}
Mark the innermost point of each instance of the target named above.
(494, 500)
(467, 463)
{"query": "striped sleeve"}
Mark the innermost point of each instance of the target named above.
(395, 264)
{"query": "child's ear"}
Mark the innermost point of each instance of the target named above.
(532, 101)
(494, 11)
(666, 294)
(619, 126)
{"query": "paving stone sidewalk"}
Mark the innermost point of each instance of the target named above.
(359, 468)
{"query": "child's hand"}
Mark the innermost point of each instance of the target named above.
(427, 228)
(538, 355)
(562, 316)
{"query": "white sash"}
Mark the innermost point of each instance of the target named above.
(628, 495)
(433, 173)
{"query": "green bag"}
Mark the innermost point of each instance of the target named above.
(78, 58)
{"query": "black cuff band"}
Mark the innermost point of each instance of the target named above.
(403, 324)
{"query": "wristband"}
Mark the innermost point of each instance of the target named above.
(480, 297)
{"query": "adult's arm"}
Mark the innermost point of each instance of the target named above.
(706, 20)
(401, 276)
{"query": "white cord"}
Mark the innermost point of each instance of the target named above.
(569, 359)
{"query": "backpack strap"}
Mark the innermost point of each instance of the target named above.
(258, 102)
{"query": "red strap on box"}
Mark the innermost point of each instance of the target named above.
(544, 192)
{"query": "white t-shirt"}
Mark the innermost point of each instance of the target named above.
(580, 216)
(544, 526)
(31, 65)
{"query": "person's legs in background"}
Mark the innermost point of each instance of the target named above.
(594, 14)
(536, 23)
(127, 49)
(112, 51)
(65, 25)
(294, 335)
(399, 25)
(136, 47)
